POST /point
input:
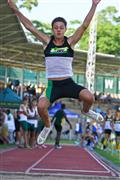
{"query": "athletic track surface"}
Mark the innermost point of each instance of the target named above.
(68, 161)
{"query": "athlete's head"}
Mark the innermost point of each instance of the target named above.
(59, 19)
(59, 27)
(62, 106)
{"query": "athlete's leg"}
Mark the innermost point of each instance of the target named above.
(88, 99)
(43, 105)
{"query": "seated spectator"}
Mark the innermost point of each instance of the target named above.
(90, 138)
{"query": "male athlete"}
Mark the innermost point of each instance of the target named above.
(59, 54)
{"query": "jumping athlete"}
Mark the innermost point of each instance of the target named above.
(59, 53)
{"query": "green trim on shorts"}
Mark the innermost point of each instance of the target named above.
(49, 89)
(24, 125)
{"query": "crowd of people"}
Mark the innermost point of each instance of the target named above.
(20, 126)
(104, 133)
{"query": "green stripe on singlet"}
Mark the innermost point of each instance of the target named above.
(49, 89)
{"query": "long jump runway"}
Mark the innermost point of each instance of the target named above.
(70, 160)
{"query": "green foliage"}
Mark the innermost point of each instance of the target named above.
(27, 3)
(108, 33)
(43, 27)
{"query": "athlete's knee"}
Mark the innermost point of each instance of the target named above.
(87, 96)
(90, 98)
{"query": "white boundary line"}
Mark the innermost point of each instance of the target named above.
(106, 166)
(98, 161)
(69, 170)
(64, 170)
(36, 163)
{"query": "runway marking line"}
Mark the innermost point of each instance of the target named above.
(69, 170)
(106, 166)
(32, 168)
(37, 162)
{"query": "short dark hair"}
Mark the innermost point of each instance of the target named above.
(62, 106)
(57, 19)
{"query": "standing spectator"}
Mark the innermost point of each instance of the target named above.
(11, 126)
(117, 129)
(17, 127)
(57, 121)
(108, 127)
(3, 129)
(78, 132)
(32, 122)
(23, 113)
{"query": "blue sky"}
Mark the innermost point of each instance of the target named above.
(47, 10)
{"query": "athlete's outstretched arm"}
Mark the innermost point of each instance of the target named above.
(28, 25)
(79, 32)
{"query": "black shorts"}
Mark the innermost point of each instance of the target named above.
(58, 128)
(17, 126)
(63, 89)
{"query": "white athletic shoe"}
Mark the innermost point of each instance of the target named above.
(43, 135)
(94, 115)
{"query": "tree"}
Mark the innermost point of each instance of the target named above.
(27, 3)
(108, 34)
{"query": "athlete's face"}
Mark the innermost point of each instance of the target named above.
(59, 29)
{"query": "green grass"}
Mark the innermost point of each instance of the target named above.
(5, 146)
(114, 157)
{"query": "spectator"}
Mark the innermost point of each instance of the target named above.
(117, 129)
(78, 132)
(23, 113)
(11, 126)
(17, 128)
(88, 138)
(57, 121)
(3, 130)
(108, 127)
(32, 121)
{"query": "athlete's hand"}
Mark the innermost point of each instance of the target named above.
(96, 1)
(12, 5)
